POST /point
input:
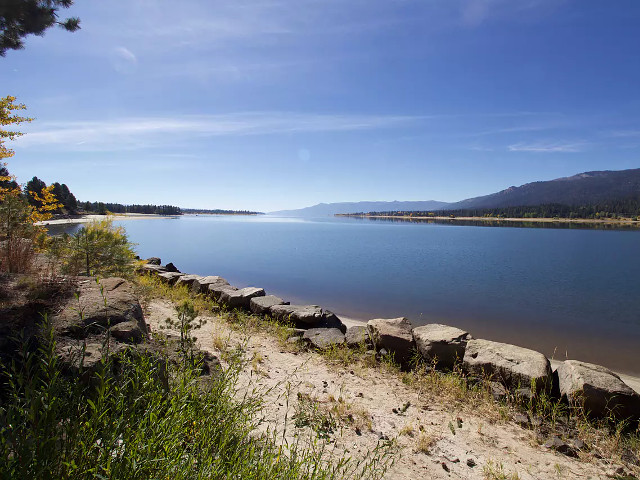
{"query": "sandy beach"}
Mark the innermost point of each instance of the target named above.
(114, 216)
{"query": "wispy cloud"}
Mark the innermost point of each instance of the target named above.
(553, 147)
(624, 133)
(128, 133)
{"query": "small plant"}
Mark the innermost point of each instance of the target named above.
(425, 443)
(186, 322)
(496, 471)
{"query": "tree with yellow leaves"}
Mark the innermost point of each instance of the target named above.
(19, 230)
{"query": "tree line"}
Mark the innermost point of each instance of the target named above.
(628, 207)
(102, 208)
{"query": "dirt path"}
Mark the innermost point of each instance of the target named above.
(434, 441)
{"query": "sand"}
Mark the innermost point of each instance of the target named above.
(91, 218)
(457, 437)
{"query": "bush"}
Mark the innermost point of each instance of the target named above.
(98, 248)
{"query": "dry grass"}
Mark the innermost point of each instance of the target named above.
(424, 443)
(496, 471)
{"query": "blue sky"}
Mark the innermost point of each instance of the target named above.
(271, 104)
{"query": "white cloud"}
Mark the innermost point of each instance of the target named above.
(123, 60)
(552, 147)
(127, 133)
(625, 133)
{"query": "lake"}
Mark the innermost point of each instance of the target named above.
(567, 292)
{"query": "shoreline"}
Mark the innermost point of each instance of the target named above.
(633, 381)
(114, 216)
(608, 221)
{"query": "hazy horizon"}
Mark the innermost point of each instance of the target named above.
(279, 105)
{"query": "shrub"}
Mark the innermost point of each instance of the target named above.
(99, 248)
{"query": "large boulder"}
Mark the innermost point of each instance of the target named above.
(201, 284)
(323, 338)
(513, 366)
(99, 306)
(187, 280)
(240, 298)
(151, 269)
(394, 335)
(170, 267)
(305, 316)
(169, 277)
(216, 289)
(357, 335)
(261, 305)
(599, 390)
(441, 343)
(153, 261)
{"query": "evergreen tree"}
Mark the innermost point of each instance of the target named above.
(19, 18)
(35, 185)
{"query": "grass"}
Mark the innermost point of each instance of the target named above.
(496, 471)
(128, 424)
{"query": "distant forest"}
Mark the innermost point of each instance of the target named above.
(622, 208)
(219, 211)
(102, 208)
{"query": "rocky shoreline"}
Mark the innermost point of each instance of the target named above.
(510, 369)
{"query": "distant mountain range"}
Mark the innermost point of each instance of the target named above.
(324, 209)
(581, 189)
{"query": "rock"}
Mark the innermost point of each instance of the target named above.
(240, 298)
(201, 284)
(98, 307)
(127, 332)
(331, 320)
(442, 343)
(216, 289)
(600, 391)
(150, 269)
(187, 280)
(169, 277)
(394, 335)
(83, 358)
(521, 419)
(153, 261)
(261, 305)
(498, 392)
(514, 366)
(302, 315)
(170, 267)
(357, 336)
(323, 338)
(471, 462)
(560, 446)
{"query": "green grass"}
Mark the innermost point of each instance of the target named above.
(132, 421)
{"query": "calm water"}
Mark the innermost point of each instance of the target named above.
(565, 292)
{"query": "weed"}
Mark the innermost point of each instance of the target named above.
(496, 471)
(425, 443)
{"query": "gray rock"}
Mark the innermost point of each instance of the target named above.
(498, 392)
(153, 261)
(598, 389)
(560, 446)
(240, 298)
(201, 284)
(150, 269)
(98, 307)
(169, 277)
(441, 343)
(261, 305)
(357, 336)
(216, 289)
(301, 315)
(170, 267)
(187, 280)
(128, 332)
(331, 320)
(514, 366)
(394, 335)
(323, 338)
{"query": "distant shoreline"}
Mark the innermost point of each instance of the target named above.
(605, 221)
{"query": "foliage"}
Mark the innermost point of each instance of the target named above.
(186, 322)
(19, 18)
(98, 248)
(8, 117)
(102, 208)
(128, 424)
